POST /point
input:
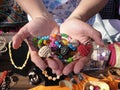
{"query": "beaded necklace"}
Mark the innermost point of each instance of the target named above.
(12, 61)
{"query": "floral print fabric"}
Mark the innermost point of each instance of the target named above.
(61, 9)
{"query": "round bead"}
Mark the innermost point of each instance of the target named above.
(44, 51)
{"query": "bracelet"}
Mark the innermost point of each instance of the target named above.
(44, 72)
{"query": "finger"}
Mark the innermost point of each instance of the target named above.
(80, 64)
(19, 37)
(96, 36)
(36, 59)
(52, 63)
(69, 68)
(60, 66)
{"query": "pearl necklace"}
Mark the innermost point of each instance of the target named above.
(11, 59)
(44, 72)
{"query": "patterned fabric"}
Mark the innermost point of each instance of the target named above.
(11, 13)
(61, 9)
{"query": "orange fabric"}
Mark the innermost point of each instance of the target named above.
(41, 87)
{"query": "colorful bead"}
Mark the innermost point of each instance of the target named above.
(69, 60)
(46, 42)
(65, 42)
(84, 50)
(58, 44)
(63, 46)
(45, 51)
(72, 47)
(64, 50)
(53, 46)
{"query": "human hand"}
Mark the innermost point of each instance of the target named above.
(83, 32)
(38, 26)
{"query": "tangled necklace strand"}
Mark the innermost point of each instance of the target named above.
(11, 59)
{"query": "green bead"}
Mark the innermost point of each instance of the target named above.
(40, 42)
(69, 60)
(60, 57)
(64, 35)
(35, 41)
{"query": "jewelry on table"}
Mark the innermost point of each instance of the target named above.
(45, 73)
(11, 58)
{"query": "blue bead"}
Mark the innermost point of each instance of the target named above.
(58, 44)
(72, 47)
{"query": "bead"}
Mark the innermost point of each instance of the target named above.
(44, 51)
(65, 42)
(64, 50)
(45, 37)
(53, 46)
(54, 78)
(69, 60)
(64, 35)
(54, 35)
(72, 47)
(49, 77)
(40, 41)
(46, 42)
(84, 50)
(58, 44)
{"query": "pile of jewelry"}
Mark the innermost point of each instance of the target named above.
(66, 48)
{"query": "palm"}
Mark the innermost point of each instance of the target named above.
(79, 30)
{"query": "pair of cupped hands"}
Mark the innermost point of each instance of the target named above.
(41, 26)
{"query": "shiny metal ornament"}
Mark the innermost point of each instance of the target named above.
(45, 51)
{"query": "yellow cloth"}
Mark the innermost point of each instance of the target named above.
(41, 87)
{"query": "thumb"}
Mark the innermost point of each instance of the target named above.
(19, 37)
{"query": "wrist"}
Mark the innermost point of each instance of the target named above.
(79, 17)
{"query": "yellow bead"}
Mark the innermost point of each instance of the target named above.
(65, 42)
(46, 42)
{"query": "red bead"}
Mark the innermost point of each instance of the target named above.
(84, 50)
